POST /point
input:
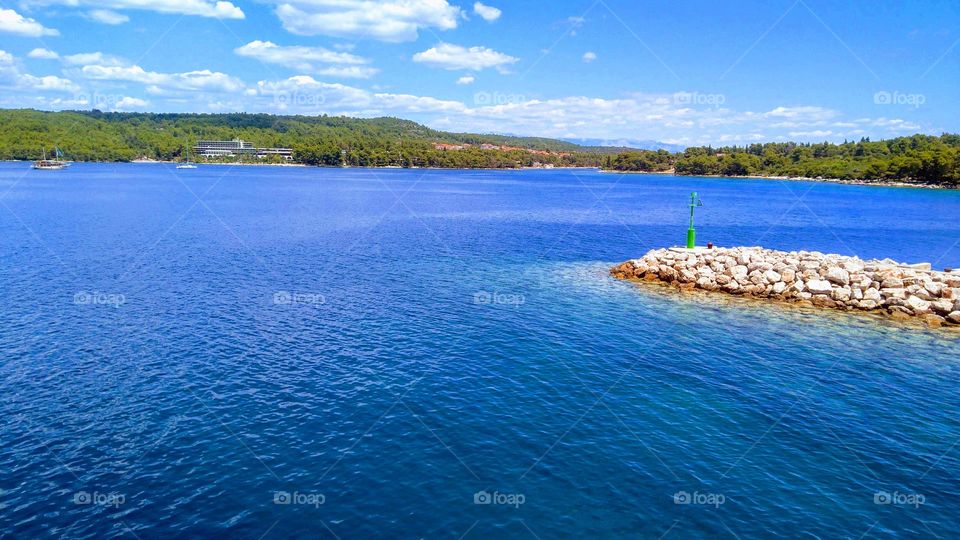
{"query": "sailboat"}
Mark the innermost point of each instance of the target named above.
(55, 164)
(58, 155)
(186, 164)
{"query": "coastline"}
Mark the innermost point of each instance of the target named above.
(866, 183)
(869, 183)
(159, 162)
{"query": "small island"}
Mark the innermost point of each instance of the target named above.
(899, 290)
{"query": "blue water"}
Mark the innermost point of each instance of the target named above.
(181, 348)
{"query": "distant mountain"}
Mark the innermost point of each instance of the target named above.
(628, 143)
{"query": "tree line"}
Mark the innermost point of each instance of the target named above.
(315, 140)
(922, 159)
(392, 142)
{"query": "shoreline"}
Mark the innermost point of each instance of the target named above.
(869, 183)
(865, 183)
(303, 165)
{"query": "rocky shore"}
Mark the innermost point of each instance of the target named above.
(902, 291)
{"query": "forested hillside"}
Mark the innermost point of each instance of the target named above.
(918, 158)
(316, 140)
(379, 142)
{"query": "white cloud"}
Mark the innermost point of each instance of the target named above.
(127, 103)
(455, 57)
(630, 117)
(589, 56)
(309, 59)
(466, 79)
(160, 83)
(217, 9)
(635, 117)
(43, 54)
(488, 13)
(13, 77)
(385, 20)
(82, 59)
(804, 112)
(304, 94)
(813, 134)
(14, 23)
(107, 16)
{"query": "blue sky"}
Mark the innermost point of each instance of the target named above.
(686, 72)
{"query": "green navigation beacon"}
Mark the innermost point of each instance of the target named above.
(691, 232)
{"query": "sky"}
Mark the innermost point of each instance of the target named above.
(681, 72)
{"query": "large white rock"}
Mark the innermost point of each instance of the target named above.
(918, 305)
(772, 276)
(841, 294)
(891, 283)
(934, 288)
(893, 293)
(819, 286)
(853, 265)
(838, 275)
(706, 283)
(942, 306)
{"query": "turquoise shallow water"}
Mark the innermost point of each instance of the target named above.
(293, 353)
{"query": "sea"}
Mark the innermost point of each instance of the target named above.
(286, 352)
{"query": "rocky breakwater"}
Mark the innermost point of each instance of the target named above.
(899, 290)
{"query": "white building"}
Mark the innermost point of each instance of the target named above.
(238, 147)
